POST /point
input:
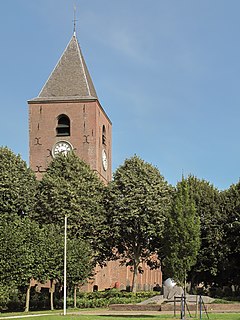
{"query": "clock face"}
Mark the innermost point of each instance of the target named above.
(61, 147)
(104, 160)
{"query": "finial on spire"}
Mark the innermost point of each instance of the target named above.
(74, 20)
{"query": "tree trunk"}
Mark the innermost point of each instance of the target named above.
(51, 290)
(75, 296)
(192, 284)
(134, 281)
(185, 292)
(27, 298)
(185, 283)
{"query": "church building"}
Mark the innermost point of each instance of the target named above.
(67, 115)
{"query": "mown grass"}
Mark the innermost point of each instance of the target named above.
(219, 316)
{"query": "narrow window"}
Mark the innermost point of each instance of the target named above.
(63, 126)
(103, 135)
(95, 288)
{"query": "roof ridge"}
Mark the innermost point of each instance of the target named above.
(80, 56)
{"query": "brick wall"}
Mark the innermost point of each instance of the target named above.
(116, 276)
(86, 120)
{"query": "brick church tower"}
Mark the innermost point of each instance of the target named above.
(67, 115)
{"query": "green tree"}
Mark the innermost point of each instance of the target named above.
(51, 245)
(21, 256)
(80, 264)
(212, 251)
(70, 187)
(80, 260)
(138, 201)
(17, 184)
(30, 252)
(229, 273)
(182, 235)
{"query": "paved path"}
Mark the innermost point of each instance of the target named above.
(29, 315)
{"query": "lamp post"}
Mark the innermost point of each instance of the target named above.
(65, 269)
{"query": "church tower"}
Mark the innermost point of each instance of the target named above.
(67, 115)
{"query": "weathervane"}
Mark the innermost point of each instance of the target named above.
(74, 20)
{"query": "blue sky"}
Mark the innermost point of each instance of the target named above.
(166, 72)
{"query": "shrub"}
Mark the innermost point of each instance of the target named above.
(105, 298)
(39, 300)
(5, 293)
(16, 301)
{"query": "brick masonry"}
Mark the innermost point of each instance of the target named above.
(87, 119)
(116, 276)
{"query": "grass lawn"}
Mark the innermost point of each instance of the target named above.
(219, 316)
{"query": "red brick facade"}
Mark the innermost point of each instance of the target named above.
(120, 277)
(87, 120)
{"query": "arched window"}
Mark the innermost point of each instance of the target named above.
(103, 135)
(63, 126)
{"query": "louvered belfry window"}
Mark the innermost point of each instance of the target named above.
(63, 126)
(103, 135)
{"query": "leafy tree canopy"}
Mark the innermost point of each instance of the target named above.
(230, 268)
(207, 202)
(79, 256)
(70, 187)
(182, 235)
(80, 262)
(137, 204)
(20, 251)
(17, 184)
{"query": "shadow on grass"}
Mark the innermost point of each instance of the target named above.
(129, 316)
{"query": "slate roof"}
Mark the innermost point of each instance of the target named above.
(70, 78)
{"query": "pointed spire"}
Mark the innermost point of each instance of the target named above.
(70, 78)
